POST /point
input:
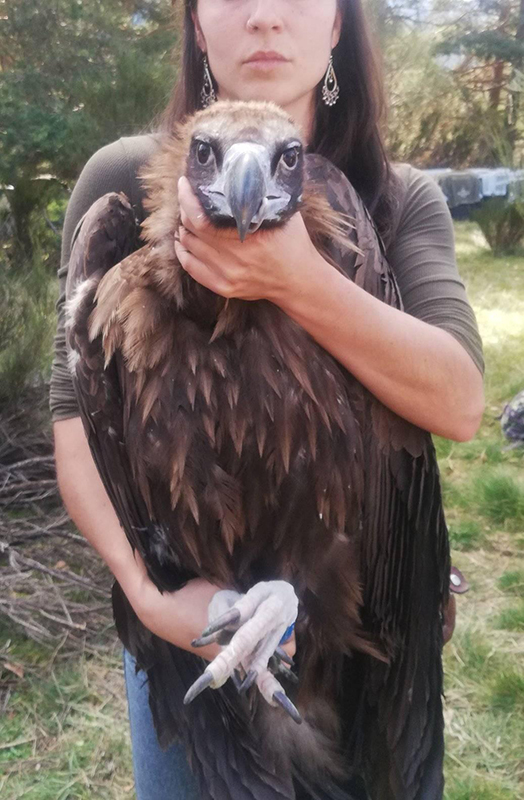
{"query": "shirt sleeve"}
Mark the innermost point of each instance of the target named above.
(422, 256)
(108, 170)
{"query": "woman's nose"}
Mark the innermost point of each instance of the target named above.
(266, 15)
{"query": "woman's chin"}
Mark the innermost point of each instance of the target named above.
(264, 91)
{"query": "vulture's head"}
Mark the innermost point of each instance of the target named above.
(244, 161)
(246, 165)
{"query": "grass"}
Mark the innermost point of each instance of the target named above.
(507, 692)
(512, 582)
(484, 499)
(512, 619)
(73, 714)
(64, 733)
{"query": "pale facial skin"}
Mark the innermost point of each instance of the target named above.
(304, 32)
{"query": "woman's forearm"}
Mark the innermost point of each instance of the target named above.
(418, 370)
(178, 617)
(87, 502)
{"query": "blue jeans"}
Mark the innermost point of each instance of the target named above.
(159, 775)
(163, 775)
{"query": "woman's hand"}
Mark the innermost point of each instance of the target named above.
(268, 265)
(177, 617)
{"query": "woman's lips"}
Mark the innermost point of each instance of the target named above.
(266, 60)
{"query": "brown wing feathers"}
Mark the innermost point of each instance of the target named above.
(233, 447)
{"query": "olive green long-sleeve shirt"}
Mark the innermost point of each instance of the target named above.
(421, 251)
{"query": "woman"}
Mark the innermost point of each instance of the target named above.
(429, 372)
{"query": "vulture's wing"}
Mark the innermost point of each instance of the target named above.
(405, 563)
(106, 235)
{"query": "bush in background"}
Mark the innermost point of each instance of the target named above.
(27, 325)
(502, 223)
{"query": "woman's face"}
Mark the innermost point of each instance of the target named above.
(267, 49)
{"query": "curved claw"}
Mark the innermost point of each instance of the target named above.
(287, 674)
(237, 680)
(202, 641)
(248, 681)
(198, 686)
(281, 653)
(231, 617)
(220, 637)
(284, 701)
(276, 667)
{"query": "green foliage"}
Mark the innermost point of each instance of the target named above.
(67, 717)
(485, 44)
(78, 73)
(425, 108)
(466, 534)
(502, 223)
(475, 656)
(512, 582)
(500, 497)
(27, 324)
(479, 790)
(512, 619)
(507, 692)
(74, 75)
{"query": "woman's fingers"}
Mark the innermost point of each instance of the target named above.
(191, 212)
(200, 271)
(197, 247)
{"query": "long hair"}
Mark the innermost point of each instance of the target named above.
(349, 133)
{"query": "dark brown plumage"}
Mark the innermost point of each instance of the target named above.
(233, 447)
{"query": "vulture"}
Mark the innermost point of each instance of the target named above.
(235, 448)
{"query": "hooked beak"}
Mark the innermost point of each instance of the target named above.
(245, 191)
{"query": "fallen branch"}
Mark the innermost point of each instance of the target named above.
(52, 583)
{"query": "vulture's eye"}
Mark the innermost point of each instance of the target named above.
(204, 153)
(290, 157)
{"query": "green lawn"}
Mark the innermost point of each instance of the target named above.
(484, 491)
(64, 735)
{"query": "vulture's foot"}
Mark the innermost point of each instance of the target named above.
(251, 626)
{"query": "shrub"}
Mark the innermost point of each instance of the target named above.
(502, 223)
(27, 322)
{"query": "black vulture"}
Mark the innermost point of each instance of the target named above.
(235, 448)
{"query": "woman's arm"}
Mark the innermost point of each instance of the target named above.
(179, 617)
(418, 370)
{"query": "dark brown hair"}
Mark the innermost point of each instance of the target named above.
(348, 133)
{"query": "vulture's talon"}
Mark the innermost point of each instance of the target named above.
(281, 653)
(237, 680)
(220, 637)
(251, 626)
(230, 617)
(276, 667)
(283, 700)
(287, 674)
(248, 681)
(205, 680)
(205, 640)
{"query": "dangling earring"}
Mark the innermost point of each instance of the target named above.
(330, 89)
(207, 95)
